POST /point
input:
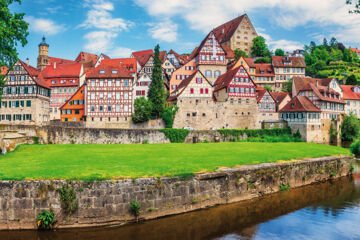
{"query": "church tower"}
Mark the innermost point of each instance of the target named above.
(43, 58)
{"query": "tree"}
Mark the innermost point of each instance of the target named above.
(268, 87)
(355, 4)
(156, 93)
(263, 60)
(350, 128)
(333, 42)
(168, 115)
(279, 52)
(287, 86)
(240, 53)
(259, 48)
(13, 31)
(351, 80)
(142, 110)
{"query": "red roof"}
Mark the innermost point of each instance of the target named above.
(35, 74)
(181, 58)
(229, 53)
(225, 79)
(142, 53)
(301, 82)
(300, 104)
(264, 70)
(224, 32)
(162, 56)
(348, 92)
(260, 92)
(357, 51)
(128, 63)
(65, 70)
(279, 61)
(279, 96)
(59, 60)
(86, 57)
(121, 72)
(320, 92)
(3, 70)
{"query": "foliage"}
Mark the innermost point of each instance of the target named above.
(355, 4)
(351, 80)
(263, 60)
(135, 208)
(287, 86)
(268, 87)
(259, 48)
(333, 133)
(279, 52)
(297, 134)
(156, 93)
(168, 115)
(350, 128)
(240, 53)
(142, 110)
(13, 31)
(355, 148)
(254, 132)
(45, 220)
(284, 187)
(68, 199)
(175, 135)
(35, 139)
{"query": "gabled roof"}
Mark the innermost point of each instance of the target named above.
(301, 82)
(264, 70)
(279, 61)
(224, 32)
(192, 54)
(86, 57)
(181, 58)
(279, 96)
(225, 79)
(143, 59)
(64, 70)
(122, 72)
(319, 90)
(124, 62)
(229, 53)
(142, 53)
(197, 50)
(52, 60)
(300, 104)
(35, 74)
(162, 56)
(348, 92)
(77, 91)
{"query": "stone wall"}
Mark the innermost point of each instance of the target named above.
(108, 202)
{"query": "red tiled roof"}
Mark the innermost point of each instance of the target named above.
(279, 96)
(348, 92)
(35, 74)
(3, 70)
(300, 104)
(229, 53)
(260, 92)
(279, 61)
(318, 90)
(224, 79)
(192, 54)
(142, 53)
(87, 57)
(301, 82)
(162, 56)
(224, 32)
(59, 60)
(64, 70)
(71, 98)
(181, 58)
(264, 70)
(122, 72)
(250, 62)
(355, 50)
(124, 62)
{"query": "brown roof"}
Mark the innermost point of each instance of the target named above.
(279, 96)
(300, 104)
(348, 92)
(181, 58)
(122, 72)
(264, 70)
(162, 56)
(192, 54)
(319, 90)
(87, 57)
(229, 53)
(224, 32)
(301, 82)
(225, 79)
(279, 61)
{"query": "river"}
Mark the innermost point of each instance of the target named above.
(329, 210)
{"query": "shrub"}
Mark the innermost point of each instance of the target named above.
(68, 199)
(168, 115)
(45, 220)
(254, 133)
(297, 134)
(350, 128)
(35, 139)
(135, 208)
(355, 148)
(175, 135)
(142, 110)
(284, 187)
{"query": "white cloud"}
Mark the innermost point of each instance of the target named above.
(99, 41)
(165, 31)
(43, 25)
(285, 45)
(121, 52)
(53, 10)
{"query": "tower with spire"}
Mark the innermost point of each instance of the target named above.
(43, 57)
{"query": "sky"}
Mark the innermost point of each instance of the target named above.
(118, 27)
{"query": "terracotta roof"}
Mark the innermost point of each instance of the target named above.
(301, 82)
(105, 56)
(348, 92)
(224, 79)
(300, 104)
(192, 54)
(264, 70)
(355, 50)
(59, 60)
(125, 62)
(87, 57)
(260, 92)
(229, 53)
(62, 70)
(250, 62)
(181, 58)
(198, 49)
(78, 90)
(35, 74)
(142, 53)
(319, 90)
(279, 61)
(3, 70)
(279, 96)
(224, 32)
(122, 72)
(162, 56)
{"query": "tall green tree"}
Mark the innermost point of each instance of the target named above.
(13, 31)
(279, 52)
(156, 93)
(240, 53)
(351, 80)
(142, 110)
(350, 128)
(259, 48)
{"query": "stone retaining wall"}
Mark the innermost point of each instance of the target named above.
(108, 202)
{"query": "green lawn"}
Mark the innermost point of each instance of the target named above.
(138, 160)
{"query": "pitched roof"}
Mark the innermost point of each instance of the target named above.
(279, 61)
(77, 91)
(192, 54)
(162, 56)
(86, 57)
(128, 63)
(62, 70)
(319, 90)
(35, 74)
(142, 53)
(224, 79)
(300, 104)
(264, 70)
(300, 82)
(260, 92)
(279, 96)
(3, 70)
(348, 92)
(181, 58)
(224, 32)
(229, 53)
(198, 49)
(121, 72)
(52, 60)
(355, 50)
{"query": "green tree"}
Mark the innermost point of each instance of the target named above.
(287, 86)
(142, 110)
(13, 31)
(351, 80)
(268, 87)
(279, 52)
(156, 93)
(259, 48)
(263, 60)
(240, 53)
(355, 4)
(168, 115)
(350, 128)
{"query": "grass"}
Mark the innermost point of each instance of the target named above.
(98, 162)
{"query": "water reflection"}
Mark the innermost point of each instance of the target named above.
(328, 210)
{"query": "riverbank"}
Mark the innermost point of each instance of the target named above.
(108, 202)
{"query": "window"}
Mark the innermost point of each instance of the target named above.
(247, 101)
(208, 73)
(217, 73)
(198, 80)
(126, 83)
(109, 108)
(28, 103)
(109, 95)
(92, 96)
(101, 108)
(117, 108)
(101, 83)
(117, 95)
(114, 71)
(221, 58)
(191, 91)
(92, 108)
(109, 83)
(206, 90)
(118, 83)
(203, 57)
(126, 108)
(201, 91)
(126, 95)
(101, 95)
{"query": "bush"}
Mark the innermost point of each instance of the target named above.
(355, 148)
(35, 139)
(142, 110)
(135, 208)
(297, 134)
(350, 128)
(175, 135)
(253, 133)
(46, 220)
(168, 115)
(68, 199)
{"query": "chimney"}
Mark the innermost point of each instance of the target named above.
(54, 65)
(317, 83)
(27, 61)
(223, 30)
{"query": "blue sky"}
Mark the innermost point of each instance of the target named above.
(117, 27)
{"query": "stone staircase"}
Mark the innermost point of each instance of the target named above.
(9, 140)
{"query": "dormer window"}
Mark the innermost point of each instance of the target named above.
(292, 105)
(102, 71)
(114, 71)
(356, 89)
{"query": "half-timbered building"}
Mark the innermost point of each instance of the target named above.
(73, 109)
(26, 96)
(286, 68)
(267, 106)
